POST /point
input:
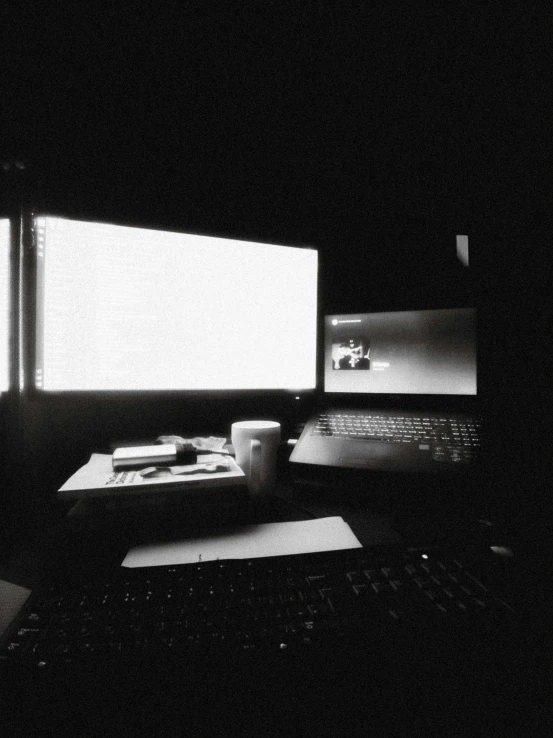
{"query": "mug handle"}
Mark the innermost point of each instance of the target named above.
(255, 467)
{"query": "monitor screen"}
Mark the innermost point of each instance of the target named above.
(431, 352)
(123, 308)
(4, 303)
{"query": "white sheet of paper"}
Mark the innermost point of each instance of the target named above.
(245, 542)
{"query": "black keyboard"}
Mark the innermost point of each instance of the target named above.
(272, 604)
(454, 438)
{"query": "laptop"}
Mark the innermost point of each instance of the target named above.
(400, 394)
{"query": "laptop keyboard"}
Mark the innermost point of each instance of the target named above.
(275, 603)
(450, 439)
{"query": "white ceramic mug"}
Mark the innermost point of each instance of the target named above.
(256, 445)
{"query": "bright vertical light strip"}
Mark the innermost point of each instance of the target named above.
(4, 303)
(463, 249)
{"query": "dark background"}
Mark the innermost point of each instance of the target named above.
(372, 132)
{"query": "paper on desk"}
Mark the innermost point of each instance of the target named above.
(252, 541)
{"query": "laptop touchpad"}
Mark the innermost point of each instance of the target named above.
(363, 452)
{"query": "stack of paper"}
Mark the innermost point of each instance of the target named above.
(98, 479)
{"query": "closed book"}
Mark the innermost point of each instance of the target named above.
(97, 478)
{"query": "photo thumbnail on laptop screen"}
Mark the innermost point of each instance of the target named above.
(426, 352)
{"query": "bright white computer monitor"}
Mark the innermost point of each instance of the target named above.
(122, 308)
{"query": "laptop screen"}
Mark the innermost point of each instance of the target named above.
(423, 352)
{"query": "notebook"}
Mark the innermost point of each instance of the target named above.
(400, 394)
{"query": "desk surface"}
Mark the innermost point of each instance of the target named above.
(323, 697)
(384, 511)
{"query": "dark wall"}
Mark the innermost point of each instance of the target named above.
(372, 133)
(276, 118)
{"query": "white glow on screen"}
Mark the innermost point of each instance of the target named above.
(4, 303)
(123, 308)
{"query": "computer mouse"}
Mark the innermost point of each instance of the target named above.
(503, 551)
